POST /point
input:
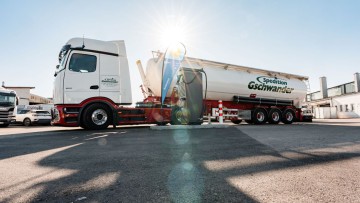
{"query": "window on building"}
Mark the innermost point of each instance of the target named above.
(336, 108)
(340, 108)
(352, 107)
(346, 107)
(82, 63)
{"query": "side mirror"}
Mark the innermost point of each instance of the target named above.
(17, 101)
(57, 68)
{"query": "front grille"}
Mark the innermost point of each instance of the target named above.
(5, 115)
(71, 119)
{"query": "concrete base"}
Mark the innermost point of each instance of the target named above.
(188, 127)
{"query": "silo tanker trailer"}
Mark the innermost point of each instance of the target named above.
(92, 89)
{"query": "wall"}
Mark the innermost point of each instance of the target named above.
(348, 106)
(23, 94)
(325, 112)
(35, 99)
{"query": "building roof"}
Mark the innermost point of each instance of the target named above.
(23, 87)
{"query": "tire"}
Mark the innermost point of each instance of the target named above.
(179, 116)
(27, 122)
(161, 123)
(81, 124)
(274, 116)
(4, 125)
(96, 117)
(288, 116)
(236, 121)
(259, 116)
(249, 121)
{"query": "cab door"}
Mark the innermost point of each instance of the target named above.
(81, 80)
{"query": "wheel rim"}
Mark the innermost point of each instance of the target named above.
(289, 116)
(182, 115)
(27, 122)
(275, 116)
(99, 117)
(260, 116)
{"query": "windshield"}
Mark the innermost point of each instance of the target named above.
(23, 111)
(7, 99)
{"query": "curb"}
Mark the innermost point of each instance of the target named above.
(188, 127)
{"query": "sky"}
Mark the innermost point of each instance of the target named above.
(310, 38)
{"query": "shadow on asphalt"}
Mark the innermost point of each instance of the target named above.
(32, 142)
(332, 122)
(140, 165)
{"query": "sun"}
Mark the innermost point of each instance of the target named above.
(173, 34)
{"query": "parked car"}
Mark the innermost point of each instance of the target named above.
(29, 117)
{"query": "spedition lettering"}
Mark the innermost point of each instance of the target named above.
(269, 88)
(266, 80)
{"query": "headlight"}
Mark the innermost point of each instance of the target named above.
(55, 115)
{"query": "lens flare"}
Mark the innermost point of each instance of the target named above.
(186, 183)
(173, 34)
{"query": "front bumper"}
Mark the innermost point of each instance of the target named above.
(7, 121)
(42, 121)
(60, 117)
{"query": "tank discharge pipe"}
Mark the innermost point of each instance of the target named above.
(145, 82)
(221, 120)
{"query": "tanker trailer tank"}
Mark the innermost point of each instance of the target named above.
(243, 90)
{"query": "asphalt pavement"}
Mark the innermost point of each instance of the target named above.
(316, 162)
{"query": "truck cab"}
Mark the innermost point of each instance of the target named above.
(90, 71)
(91, 68)
(8, 102)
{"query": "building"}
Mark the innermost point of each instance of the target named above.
(342, 101)
(26, 97)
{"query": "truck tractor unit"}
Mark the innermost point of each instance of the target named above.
(7, 106)
(92, 89)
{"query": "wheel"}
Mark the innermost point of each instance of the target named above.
(274, 116)
(249, 121)
(288, 116)
(236, 121)
(4, 125)
(27, 122)
(180, 116)
(96, 117)
(259, 116)
(161, 123)
(82, 124)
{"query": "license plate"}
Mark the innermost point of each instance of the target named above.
(1, 122)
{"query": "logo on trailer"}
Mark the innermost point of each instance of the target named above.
(269, 84)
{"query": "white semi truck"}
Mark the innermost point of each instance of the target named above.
(92, 89)
(8, 102)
